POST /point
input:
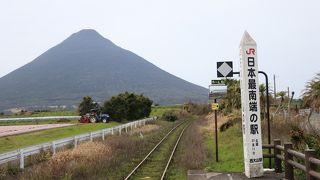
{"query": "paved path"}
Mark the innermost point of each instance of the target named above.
(201, 175)
(13, 130)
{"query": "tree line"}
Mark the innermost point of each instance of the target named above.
(124, 106)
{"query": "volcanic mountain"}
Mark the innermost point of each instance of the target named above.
(87, 64)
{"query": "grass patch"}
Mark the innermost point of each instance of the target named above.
(58, 113)
(19, 141)
(159, 110)
(41, 114)
(230, 151)
(33, 122)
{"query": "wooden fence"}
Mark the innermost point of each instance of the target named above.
(288, 156)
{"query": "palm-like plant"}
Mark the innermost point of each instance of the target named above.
(262, 90)
(263, 98)
(311, 95)
(282, 94)
(233, 99)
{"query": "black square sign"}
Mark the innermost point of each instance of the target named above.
(224, 69)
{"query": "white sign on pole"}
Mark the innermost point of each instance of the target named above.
(250, 104)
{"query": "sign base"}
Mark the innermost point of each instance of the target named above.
(255, 170)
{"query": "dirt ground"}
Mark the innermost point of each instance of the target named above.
(13, 130)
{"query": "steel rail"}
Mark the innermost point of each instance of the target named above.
(173, 151)
(153, 149)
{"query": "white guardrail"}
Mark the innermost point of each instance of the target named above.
(39, 118)
(20, 154)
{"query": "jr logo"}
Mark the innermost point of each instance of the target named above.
(251, 51)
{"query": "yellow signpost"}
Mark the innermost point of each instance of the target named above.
(215, 106)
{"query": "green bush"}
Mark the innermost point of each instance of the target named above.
(301, 139)
(229, 123)
(170, 116)
(86, 105)
(198, 109)
(313, 142)
(127, 106)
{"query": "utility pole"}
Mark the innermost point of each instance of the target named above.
(289, 104)
(289, 99)
(274, 86)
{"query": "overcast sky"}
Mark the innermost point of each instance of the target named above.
(184, 37)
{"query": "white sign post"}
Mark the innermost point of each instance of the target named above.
(250, 104)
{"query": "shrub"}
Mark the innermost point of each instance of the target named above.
(86, 105)
(170, 115)
(127, 106)
(198, 109)
(301, 139)
(296, 134)
(229, 123)
(62, 120)
(313, 142)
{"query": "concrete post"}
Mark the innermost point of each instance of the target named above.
(21, 159)
(75, 142)
(53, 148)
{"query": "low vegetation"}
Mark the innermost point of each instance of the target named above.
(171, 115)
(112, 158)
(160, 110)
(230, 151)
(54, 113)
(35, 122)
(38, 113)
(22, 140)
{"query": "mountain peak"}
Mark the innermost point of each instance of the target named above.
(87, 33)
(86, 38)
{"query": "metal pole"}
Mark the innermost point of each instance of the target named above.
(268, 113)
(216, 132)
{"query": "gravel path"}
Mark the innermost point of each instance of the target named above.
(13, 130)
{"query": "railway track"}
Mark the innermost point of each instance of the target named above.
(156, 163)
